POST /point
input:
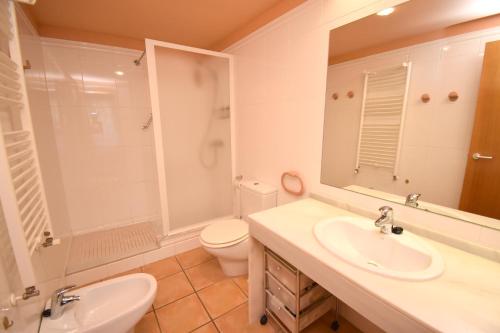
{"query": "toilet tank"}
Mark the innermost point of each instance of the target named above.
(256, 196)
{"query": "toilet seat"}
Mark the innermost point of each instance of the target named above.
(224, 233)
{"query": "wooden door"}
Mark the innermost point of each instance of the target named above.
(481, 189)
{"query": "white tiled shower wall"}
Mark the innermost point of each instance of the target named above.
(436, 135)
(108, 109)
(280, 82)
(106, 159)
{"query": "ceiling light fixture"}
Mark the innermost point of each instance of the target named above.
(386, 11)
(119, 73)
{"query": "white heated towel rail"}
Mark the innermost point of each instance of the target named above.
(22, 193)
(382, 117)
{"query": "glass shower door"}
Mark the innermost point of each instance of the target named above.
(192, 124)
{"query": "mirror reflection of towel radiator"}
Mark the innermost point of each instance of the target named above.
(382, 117)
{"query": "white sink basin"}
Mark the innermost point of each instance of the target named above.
(111, 306)
(358, 242)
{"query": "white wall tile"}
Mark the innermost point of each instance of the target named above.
(159, 254)
(187, 245)
(107, 161)
(87, 276)
(124, 265)
(283, 130)
(437, 132)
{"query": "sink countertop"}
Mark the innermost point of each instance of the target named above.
(465, 298)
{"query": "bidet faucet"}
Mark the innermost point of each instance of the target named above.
(385, 220)
(59, 300)
(412, 199)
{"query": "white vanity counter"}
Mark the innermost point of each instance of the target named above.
(465, 298)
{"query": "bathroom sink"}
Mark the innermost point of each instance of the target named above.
(358, 242)
(114, 305)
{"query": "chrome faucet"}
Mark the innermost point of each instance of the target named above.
(385, 220)
(59, 300)
(411, 199)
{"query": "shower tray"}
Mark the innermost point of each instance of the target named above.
(106, 246)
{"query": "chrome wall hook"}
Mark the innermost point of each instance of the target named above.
(148, 122)
(7, 323)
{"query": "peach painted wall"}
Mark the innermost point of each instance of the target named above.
(280, 77)
(436, 135)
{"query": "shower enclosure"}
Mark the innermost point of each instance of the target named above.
(123, 156)
(132, 150)
(191, 108)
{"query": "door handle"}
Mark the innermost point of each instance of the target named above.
(478, 156)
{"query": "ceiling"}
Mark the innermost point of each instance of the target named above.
(410, 19)
(206, 24)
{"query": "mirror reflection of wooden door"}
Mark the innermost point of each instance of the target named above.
(481, 190)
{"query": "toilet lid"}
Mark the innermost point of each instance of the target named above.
(226, 231)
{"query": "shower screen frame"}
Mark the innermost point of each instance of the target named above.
(151, 44)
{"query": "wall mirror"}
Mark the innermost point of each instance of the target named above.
(412, 111)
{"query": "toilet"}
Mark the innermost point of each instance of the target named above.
(227, 239)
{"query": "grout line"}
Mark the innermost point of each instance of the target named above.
(178, 262)
(210, 285)
(216, 327)
(157, 321)
(188, 268)
(225, 313)
(164, 305)
(166, 276)
(197, 291)
(183, 270)
(199, 298)
(207, 323)
(237, 285)
(185, 275)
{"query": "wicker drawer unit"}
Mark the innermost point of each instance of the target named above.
(293, 300)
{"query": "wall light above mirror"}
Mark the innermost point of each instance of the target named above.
(421, 126)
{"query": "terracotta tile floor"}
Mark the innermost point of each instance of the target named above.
(194, 295)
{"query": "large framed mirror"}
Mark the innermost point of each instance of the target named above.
(412, 110)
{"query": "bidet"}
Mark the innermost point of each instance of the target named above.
(114, 305)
